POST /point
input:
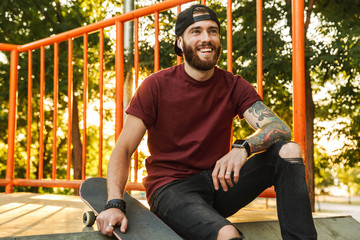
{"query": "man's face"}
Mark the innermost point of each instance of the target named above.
(201, 45)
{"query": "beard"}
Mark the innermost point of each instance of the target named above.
(192, 58)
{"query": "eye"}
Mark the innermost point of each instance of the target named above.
(195, 31)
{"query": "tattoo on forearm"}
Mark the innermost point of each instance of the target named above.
(271, 128)
(268, 135)
(260, 111)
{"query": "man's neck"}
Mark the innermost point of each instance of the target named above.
(198, 75)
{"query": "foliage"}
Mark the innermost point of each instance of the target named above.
(335, 50)
(332, 53)
(19, 24)
(351, 179)
(323, 173)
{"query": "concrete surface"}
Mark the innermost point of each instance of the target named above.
(329, 228)
(24, 214)
(337, 204)
(35, 216)
(64, 236)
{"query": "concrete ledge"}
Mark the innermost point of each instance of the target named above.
(31, 216)
(93, 235)
(330, 228)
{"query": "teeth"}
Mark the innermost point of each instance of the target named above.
(206, 50)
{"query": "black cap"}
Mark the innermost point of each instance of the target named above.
(186, 18)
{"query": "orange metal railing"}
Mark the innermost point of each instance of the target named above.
(118, 22)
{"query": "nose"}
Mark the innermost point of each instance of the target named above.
(205, 36)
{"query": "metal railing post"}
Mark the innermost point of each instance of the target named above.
(42, 113)
(229, 36)
(157, 44)
(259, 47)
(85, 100)
(101, 92)
(69, 105)
(119, 72)
(12, 120)
(29, 114)
(298, 73)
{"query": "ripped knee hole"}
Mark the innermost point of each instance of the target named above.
(294, 160)
(291, 152)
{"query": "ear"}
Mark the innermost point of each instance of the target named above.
(180, 43)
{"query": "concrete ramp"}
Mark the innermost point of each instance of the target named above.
(32, 216)
(329, 228)
(64, 236)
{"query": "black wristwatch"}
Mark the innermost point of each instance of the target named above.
(116, 203)
(242, 144)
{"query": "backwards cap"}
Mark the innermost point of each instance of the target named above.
(186, 18)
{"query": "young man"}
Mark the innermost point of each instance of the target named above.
(194, 182)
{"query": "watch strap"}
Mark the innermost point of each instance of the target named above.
(242, 144)
(116, 203)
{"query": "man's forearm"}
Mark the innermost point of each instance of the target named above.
(270, 128)
(118, 171)
(269, 134)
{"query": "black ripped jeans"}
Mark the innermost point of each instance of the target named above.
(195, 210)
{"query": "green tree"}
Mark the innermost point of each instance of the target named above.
(350, 177)
(19, 24)
(323, 175)
(332, 57)
(334, 61)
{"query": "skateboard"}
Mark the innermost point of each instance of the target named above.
(143, 224)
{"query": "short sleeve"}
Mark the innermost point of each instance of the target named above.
(245, 95)
(144, 102)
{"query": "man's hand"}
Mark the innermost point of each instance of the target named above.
(230, 163)
(109, 218)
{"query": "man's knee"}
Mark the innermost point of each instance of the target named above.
(291, 152)
(229, 232)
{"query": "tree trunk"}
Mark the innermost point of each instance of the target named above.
(129, 5)
(76, 141)
(310, 114)
(128, 92)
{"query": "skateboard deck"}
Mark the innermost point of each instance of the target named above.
(143, 224)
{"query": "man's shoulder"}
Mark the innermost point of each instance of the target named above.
(174, 70)
(229, 76)
(164, 75)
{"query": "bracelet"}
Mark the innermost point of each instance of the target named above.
(116, 203)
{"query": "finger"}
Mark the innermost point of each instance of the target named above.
(228, 178)
(221, 177)
(215, 177)
(124, 225)
(98, 223)
(101, 225)
(236, 173)
(109, 230)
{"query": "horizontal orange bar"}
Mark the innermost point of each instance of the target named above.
(61, 183)
(8, 47)
(141, 12)
(47, 183)
(4, 182)
(269, 193)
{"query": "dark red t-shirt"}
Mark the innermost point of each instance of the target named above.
(189, 122)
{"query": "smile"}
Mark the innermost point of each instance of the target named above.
(205, 50)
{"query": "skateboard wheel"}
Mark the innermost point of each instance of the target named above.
(89, 218)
